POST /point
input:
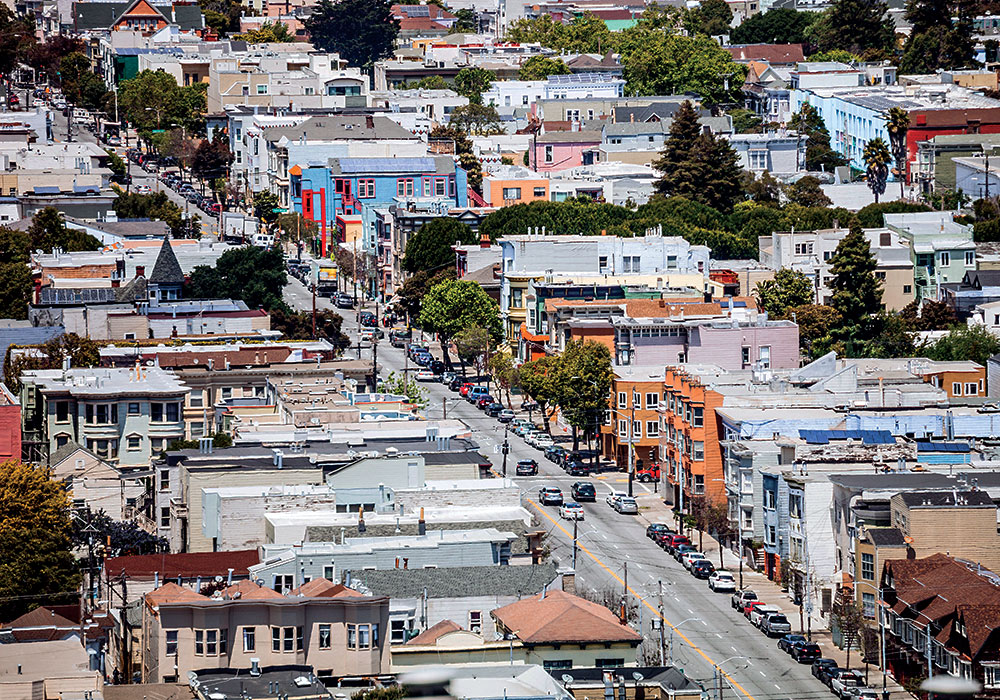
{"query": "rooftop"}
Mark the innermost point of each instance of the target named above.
(103, 381)
(556, 616)
(457, 582)
(207, 564)
(947, 499)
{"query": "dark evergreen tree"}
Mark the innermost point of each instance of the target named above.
(857, 293)
(858, 26)
(430, 248)
(361, 31)
(941, 37)
(819, 154)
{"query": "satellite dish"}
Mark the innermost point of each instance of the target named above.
(218, 579)
(566, 678)
(637, 676)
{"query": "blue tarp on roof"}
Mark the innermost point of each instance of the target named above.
(943, 447)
(46, 189)
(868, 437)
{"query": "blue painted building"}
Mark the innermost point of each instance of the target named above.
(359, 186)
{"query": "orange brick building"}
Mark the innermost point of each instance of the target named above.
(689, 442)
(632, 387)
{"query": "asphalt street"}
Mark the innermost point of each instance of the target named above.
(707, 633)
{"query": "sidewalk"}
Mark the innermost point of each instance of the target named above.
(653, 509)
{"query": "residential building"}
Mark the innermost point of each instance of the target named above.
(650, 135)
(142, 16)
(47, 670)
(435, 105)
(810, 253)
(559, 150)
(122, 416)
(10, 425)
(935, 170)
(942, 250)
(975, 176)
(514, 184)
(525, 93)
(420, 599)
(779, 153)
(636, 394)
(95, 484)
(335, 631)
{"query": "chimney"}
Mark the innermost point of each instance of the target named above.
(369, 121)
(421, 525)
(140, 270)
(484, 241)
(569, 582)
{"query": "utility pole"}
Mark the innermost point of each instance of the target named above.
(375, 361)
(662, 645)
(716, 677)
(314, 309)
(930, 651)
(505, 449)
(631, 447)
(881, 643)
(575, 523)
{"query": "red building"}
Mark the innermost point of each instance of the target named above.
(10, 425)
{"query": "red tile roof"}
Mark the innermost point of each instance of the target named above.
(248, 590)
(323, 588)
(557, 616)
(769, 53)
(432, 634)
(172, 593)
(206, 564)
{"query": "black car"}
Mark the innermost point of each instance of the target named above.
(344, 301)
(526, 467)
(655, 528)
(551, 453)
(574, 468)
(584, 491)
(456, 383)
(823, 669)
(493, 410)
(437, 367)
(789, 640)
(702, 569)
(808, 652)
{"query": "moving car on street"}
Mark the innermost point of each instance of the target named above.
(550, 496)
(526, 467)
(722, 582)
(571, 511)
(584, 491)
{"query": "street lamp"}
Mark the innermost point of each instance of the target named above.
(718, 675)
(505, 449)
(670, 642)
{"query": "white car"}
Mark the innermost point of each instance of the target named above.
(690, 558)
(531, 436)
(542, 441)
(613, 497)
(626, 505)
(722, 582)
(425, 375)
(143, 189)
(571, 511)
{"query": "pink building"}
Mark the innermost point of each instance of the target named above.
(559, 150)
(10, 425)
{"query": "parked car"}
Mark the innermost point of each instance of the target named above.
(806, 652)
(584, 491)
(775, 625)
(543, 441)
(786, 642)
(702, 568)
(654, 528)
(484, 401)
(344, 301)
(682, 549)
(576, 468)
(842, 684)
(143, 189)
(722, 582)
(493, 410)
(626, 505)
(465, 389)
(759, 613)
(550, 496)
(823, 668)
(750, 605)
(505, 416)
(456, 383)
(865, 693)
(690, 557)
(552, 453)
(437, 367)
(571, 511)
(741, 598)
(612, 497)
(526, 467)
(367, 319)
(425, 375)
(674, 541)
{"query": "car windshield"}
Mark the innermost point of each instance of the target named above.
(778, 619)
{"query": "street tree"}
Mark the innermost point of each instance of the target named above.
(819, 155)
(455, 305)
(539, 380)
(212, 157)
(361, 31)
(857, 293)
(37, 566)
(776, 26)
(541, 67)
(265, 207)
(81, 85)
(153, 101)
(505, 373)
(473, 82)
(158, 207)
(467, 20)
(416, 286)
(583, 384)
(473, 345)
(877, 158)
(431, 82)
(849, 618)
(79, 351)
(764, 190)
(788, 288)
(711, 18)
(46, 57)
(897, 123)
(402, 385)
(15, 274)
(816, 323)
(806, 192)
(251, 274)
(430, 248)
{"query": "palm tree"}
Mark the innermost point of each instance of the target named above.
(877, 158)
(897, 123)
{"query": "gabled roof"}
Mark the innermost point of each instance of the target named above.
(770, 53)
(171, 593)
(89, 15)
(166, 270)
(323, 588)
(248, 590)
(433, 633)
(40, 617)
(557, 617)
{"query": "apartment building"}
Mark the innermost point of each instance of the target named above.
(122, 416)
(810, 253)
(10, 425)
(335, 631)
(636, 393)
(941, 249)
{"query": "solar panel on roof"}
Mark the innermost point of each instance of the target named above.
(46, 189)
(942, 447)
(416, 10)
(386, 165)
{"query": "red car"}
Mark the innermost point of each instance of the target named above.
(673, 541)
(650, 473)
(748, 608)
(464, 389)
(484, 402)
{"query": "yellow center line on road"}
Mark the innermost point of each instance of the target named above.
(652, 609)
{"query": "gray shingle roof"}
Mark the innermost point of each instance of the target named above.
(341, 127)
(166, 270)
(458, 582)
(95, 14)
(886, 537)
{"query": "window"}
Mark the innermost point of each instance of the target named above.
(62, 412)
(511, 193)
(165, 516)
(404, 187)
(197, 399)
(133, 408)
(328, 573)
(609, 663)
(697, 450)
(101, 413)
(362, 636)
(440, 187)
(197, 429)
(249, 639)
(324, 636)
(602, 264)
(164, 480)
(548, 154)
(622, 399)
(880, 275)
(746, 356)
(211, 642)
(557, 664)
(199, 642)
(765, 357)
(399, 629)
(652, 401)
(262, 89)
(970, 258)
(366, 189)
(623, 429)
(288, 639)
(945, 258)
(171, 642)
(476, 621)
(697, 416)
(630, 263)
(134, 443)
(803, 248)
(652, 428)
(956, 388)
(227, 393)
(105, 449)
(907, 289)
(284, 582)
(971, 388)
(758, 160)
(299, 639)
(275, 639)
(538, 192)
(868, 605)
(867, 566)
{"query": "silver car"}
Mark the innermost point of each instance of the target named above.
(626, 505)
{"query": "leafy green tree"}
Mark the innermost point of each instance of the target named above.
(711, 17)
(212, 157)
(542, 30)
(835, 56)
(467, 21)
(541, 67)
(254, 275)
(157, 206)
(116, 164)
(473, 82)
(298, 326)
(928, 316)
(975, 343)
(223, 16)
(587, 33)
(401, 385)
(265, 205)
(583, 385)
(268, 33)
(819, 154)
(657, 63)
(476, 119)
(432, 82)
(806, 192)
(776, 26)
(505, 373)
(415, 288)
(153, 100)
(698, 165)
(81, 86)
(455, 305)
(816, 322)
(361, 31)
(746, 122)
(857, 26)
(764, 190)
(16, 288)
(46, 57)
(857, 293)
(539, 380)
(873, 215)
(877, 158)
(473, 345)
(897, 123)
(48, 230)
(36, 564)
(431, 247)
(787, 289)
(80, 351)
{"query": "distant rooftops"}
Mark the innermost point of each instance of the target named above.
(102, 381)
